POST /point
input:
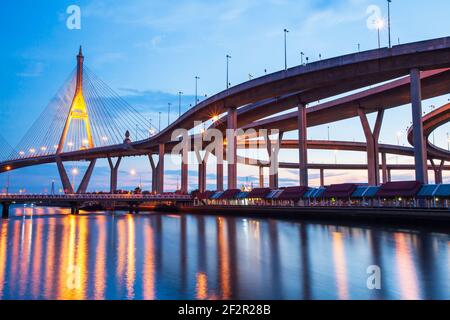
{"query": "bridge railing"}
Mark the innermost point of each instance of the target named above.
(66, 197)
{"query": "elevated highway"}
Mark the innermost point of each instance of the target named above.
(413, 71)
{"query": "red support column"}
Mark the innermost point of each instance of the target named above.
(219, 176)
(86, 178)
(302, 145)
(232, 147)
(273, 151)
(202, 176)
(372, 145)
(261, 177)
(420, 155)
(114, 173)
(437, 171)
(384, 167)
(154, 173)
(160, 169)
(68, 189)
(184, 178)
(322, 177)
(184, 172)
(219, 169)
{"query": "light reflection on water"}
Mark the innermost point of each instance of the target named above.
(48, 254)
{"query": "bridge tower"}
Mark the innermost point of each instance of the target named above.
(78, 110)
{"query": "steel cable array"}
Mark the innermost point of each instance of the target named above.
(109, 116)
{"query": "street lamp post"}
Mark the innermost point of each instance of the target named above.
(301, 57)
(286, 31)
(74, 174)
(389, 22)
(8, 169)
(196, 89)
(379, 27)
(150, 127)
(379, 42)
(399, 134)
(228, 61)
(168, 113)
(179, 103)
(159, 125)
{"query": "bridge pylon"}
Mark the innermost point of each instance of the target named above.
(78, 110)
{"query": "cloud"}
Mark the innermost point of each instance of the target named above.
(330, 17)
(32, 69)
(107, 58)
(155, 101)
(170, 16)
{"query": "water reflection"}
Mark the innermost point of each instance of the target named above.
(340, 266)
(407, 274)
(151, 256)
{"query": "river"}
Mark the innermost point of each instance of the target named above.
(45, 253)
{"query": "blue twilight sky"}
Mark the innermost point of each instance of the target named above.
(149, 50)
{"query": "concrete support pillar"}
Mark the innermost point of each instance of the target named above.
(232, 147)
(438, 176)
(5, 210)
(384, 167)
(219, 177)
(154, 173)
(184, 170)
(67, 186)
(114, 174)
(322, 177)
(202, 170)
(420, 156)
(437, 168)
(160, 169)
(184, 178)
(389, 179)
(202, 176)
(302, 145)
(273, 150)
(372, 145)
(74, 208)
(87, 177)
(133, 208)
(261, 177)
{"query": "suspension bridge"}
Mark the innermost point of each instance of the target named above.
(86, 120)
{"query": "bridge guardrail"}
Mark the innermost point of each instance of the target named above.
(13, 197)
